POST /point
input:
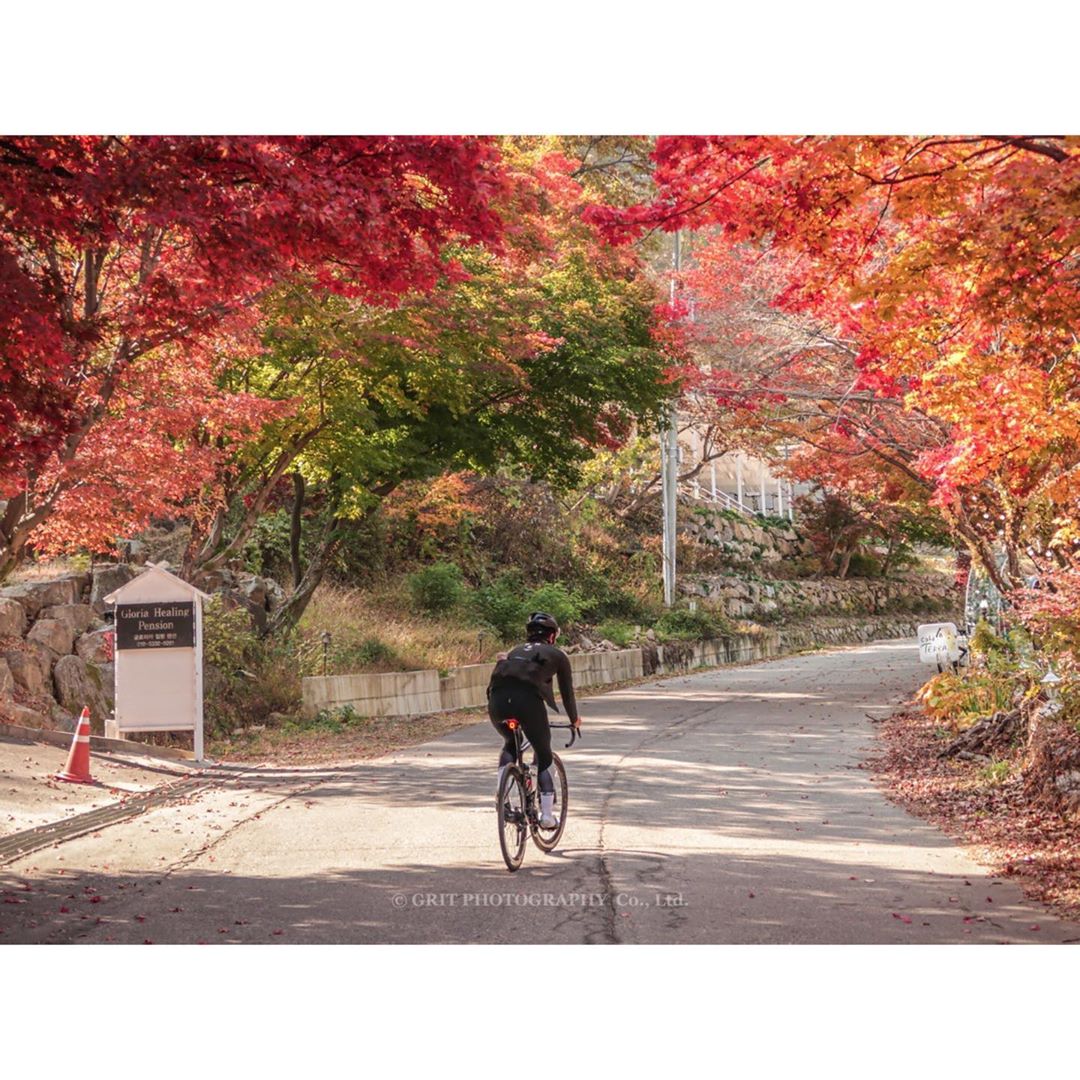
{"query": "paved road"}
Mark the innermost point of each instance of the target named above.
(724, 807)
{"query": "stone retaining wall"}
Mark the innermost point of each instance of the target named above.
(741, 597)
(745, 540)
(418, 692)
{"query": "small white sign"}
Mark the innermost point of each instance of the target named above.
(939, 643)
(159, 672)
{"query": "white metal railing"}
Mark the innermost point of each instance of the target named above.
(720, 498)
(700, 493)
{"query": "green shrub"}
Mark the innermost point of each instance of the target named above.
(864, 564)
(499, 605)
(616, 631)
(505, 604)
(961, 699)
(371, 652)
(437, 588)
(246, 678)
(266, 550)
(228, 640)
(556, 599)
(684, 625)
(332, 721)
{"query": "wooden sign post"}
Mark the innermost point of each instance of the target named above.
(159, 663)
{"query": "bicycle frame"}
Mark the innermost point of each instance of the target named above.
(521, 741)
(521, 745)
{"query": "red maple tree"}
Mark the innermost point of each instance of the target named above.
(120, 254)
(948, 269)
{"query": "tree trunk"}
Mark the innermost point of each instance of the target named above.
(890, 549)
(210, 560)
(10, 543)
(295, 528)
(16, 526)
(290, 613)
(845, 563)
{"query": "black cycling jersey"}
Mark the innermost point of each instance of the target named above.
(537, 663)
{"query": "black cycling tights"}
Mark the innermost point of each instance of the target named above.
(508, 701)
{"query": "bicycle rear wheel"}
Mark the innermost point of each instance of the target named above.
(513, 824)
(546, 839)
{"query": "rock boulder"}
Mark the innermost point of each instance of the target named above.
(35, 595)
(13, 713)
(30, 667)
(108, 578)
(80, 617)
(12, 617)
(96, 647)
(77, 688)
(104, 676)
(55, 634)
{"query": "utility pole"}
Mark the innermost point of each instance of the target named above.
(669, 461)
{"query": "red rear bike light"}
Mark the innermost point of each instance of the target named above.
(512, 724)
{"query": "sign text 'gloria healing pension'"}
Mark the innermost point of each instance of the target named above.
(155, 626)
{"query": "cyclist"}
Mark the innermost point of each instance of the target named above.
(521, 688)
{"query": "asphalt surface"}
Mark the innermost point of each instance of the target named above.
(722, 807)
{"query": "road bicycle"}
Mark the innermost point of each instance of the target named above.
(518, 803)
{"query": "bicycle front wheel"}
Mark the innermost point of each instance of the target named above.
(513, 823)
(546, 839)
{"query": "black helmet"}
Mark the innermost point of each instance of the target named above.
(541, 622)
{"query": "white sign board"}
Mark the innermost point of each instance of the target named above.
(158, 657)
(939, 643)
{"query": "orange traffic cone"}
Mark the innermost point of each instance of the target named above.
(77, 769)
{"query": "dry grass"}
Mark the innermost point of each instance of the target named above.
(358, 741)
(356, 618)
(47, 569)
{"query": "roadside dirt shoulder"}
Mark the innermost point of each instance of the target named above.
(984, 807)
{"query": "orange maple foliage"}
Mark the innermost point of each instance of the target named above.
(949, 266)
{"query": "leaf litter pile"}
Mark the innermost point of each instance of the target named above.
(984, 808)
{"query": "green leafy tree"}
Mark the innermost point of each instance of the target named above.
(528, 359)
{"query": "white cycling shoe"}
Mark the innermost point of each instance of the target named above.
(548, 818)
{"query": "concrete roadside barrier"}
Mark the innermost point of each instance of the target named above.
(418, 693)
